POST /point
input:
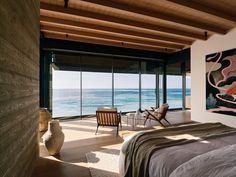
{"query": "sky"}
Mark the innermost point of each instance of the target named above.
(71, 79)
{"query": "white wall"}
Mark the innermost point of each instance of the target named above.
(199, 50)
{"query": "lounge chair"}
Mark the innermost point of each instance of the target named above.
(157, 114)
(108, 117)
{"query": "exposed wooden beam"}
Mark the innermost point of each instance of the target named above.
(107, 35)
(93, 40)
(158, 15)
(126, 31)
(203, 8)
(129, 22)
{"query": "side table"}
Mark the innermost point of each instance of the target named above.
(132, 117)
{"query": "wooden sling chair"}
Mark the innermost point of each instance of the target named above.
(157, 114)
(108, 117)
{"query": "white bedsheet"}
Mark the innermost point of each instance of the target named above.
(165, 161)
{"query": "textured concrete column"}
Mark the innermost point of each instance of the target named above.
(19, 87)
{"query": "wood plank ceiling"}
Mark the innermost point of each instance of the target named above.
(153, 25)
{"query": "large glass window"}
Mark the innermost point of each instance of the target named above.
(148, 84)
(174, 86)
(174, 91)
(148, 91)
(96, 83)
(65, 93)
(126, 92)
(81, 84)
(97, 91)
(126, 85)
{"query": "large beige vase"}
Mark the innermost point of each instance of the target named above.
(44, 118)
(54, 137)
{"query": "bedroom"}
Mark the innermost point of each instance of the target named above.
(21, 38)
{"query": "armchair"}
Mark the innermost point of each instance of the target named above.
(108, 117)
(157, 114)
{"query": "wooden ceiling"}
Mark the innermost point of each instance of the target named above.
(154, 25)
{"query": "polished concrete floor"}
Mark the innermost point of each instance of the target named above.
(80, 139)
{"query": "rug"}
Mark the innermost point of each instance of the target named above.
(104, 163)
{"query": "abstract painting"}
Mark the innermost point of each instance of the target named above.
(221, 82)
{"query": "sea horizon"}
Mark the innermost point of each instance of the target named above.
(67, 102)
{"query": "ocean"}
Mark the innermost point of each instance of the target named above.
(66, 102)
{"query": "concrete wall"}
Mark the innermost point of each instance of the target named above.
(199, 50)
(19, 87)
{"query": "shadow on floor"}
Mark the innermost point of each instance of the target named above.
(58, 169)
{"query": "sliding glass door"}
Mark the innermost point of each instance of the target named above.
(65, 93)
(126, 92)
(148, 91)
(126, 84)
(174, 86)
(149, 84)
(174, 91)
(96, 83)
(96, 92)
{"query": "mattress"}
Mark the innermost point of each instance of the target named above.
(165, 161)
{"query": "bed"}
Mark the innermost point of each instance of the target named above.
(189, 150)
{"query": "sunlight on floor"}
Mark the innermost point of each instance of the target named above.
(80, 139)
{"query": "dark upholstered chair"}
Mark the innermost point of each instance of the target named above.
(108, 117)
(157, 114)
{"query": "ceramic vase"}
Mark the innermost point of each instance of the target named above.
(44, 118)
(54, 137)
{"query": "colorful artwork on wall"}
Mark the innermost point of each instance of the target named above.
(221, 82)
